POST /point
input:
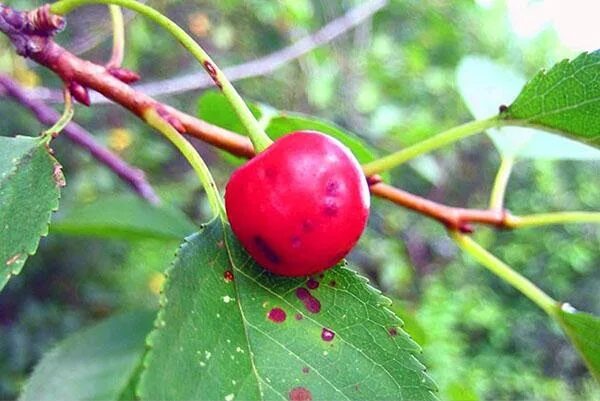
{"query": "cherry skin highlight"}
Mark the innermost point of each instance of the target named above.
(299, 206)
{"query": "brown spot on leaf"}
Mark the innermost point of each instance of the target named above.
(58, 176)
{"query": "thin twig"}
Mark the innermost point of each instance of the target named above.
(96, 77)
(78, 135)
(258, 67)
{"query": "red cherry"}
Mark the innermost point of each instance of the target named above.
(299, 206)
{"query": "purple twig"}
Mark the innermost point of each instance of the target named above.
(78, 135)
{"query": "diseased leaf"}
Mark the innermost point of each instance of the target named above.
(94, 364)
(584, 331)
(228, 330)
(565, 99)
(30, 181)
(484, 86)
(124, 217)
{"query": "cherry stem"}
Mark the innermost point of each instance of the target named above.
(505, 272)
(153, 118)
(500, 183)
(435, 142)
(64, 119)
(118, 27)
(259, 138)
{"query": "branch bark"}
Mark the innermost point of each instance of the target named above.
(90, 75)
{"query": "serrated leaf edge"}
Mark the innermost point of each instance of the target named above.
(44, 227)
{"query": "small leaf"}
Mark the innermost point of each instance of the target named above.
(124, 217)
(228, 330)
(289, 122)
(584, 331)
(214, 108)
(484, 86)
(565, 99)
(94, 364)
(30, 181)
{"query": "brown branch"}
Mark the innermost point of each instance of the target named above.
(258, 67)
(89, 75)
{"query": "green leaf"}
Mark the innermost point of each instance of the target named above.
(289, 122)
(30, 181)
(94, 364)
(215, 340)
(215, 109)
(484, 86)
(584, 331)
(565, 99)
(126, 217)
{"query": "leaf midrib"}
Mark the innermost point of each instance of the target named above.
(293, 307)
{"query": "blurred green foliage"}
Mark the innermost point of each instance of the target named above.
(391, 81)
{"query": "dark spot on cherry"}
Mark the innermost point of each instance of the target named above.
(311, 303)
(228, 276)
(305, 370)
(299, 316)
(330, 208)
(393, 331)
(266, 250)
(312, 284)
(277, 315)
(300, 394)
(270, 172)
(307, 226)
(296, 241)
(331, 189)
(327, 335)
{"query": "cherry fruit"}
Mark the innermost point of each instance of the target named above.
(299, 206)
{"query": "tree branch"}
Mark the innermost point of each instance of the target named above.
(97, 77)
(258, 67)
(78, 135)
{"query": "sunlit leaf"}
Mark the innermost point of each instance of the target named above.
(228, 330)
(566, 99)
(484, 86)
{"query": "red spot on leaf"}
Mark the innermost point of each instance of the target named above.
(276, 315)
(312, 284)
(228, 276)
(327, 335)
(300, 394)
(311, 303)
(393, 331)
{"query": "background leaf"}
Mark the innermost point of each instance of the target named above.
(566, 98)
(94, 364)
(214, 108)
(229, 330)
(584, 330)
(124, 217)
(30, 181)
(484, 86)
